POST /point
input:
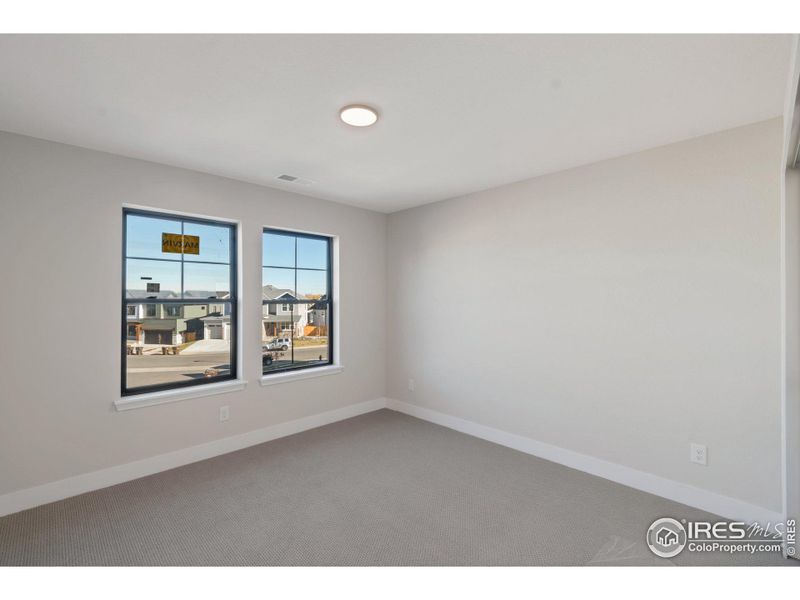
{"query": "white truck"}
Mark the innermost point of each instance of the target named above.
(282, 343)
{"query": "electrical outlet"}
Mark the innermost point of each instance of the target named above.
(698, 453)
(224, 413)
(411, 385)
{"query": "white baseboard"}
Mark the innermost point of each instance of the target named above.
(724, 506)
(87, 482)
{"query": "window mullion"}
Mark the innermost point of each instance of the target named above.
(183, 266)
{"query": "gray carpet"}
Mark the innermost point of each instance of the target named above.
(379, 489)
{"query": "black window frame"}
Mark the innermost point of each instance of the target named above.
(232, 302)
(329, 301)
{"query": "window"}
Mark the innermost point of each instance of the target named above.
(174, 266)
(296, 275)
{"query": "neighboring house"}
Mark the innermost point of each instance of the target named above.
(174, 324)
(212, 323)
(318, 319)
(282, 319)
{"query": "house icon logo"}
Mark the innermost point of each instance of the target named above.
(666, 537)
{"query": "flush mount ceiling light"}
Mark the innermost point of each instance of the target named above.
(358, 115)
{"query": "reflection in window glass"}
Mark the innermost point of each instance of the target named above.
(295, 328)
(215, 243)
(143, 236)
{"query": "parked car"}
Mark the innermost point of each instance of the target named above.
(283, 343)
(269, 356)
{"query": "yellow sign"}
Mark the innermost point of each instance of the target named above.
(177, 243)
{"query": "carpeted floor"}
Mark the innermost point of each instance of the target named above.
(379, 489)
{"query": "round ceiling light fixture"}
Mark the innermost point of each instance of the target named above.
(358, 115)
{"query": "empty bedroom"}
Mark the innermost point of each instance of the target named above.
(398, 294)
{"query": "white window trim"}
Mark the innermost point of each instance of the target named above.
(307, 373)
(312, 372)
(206, 389)
(178, 394)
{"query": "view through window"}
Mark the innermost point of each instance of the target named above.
(296, 296)
(179, 304)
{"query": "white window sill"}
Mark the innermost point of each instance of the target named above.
(301, 374)
(176, 395)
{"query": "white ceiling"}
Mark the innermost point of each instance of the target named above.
(459, 113)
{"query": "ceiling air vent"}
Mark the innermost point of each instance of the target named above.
(294, 179)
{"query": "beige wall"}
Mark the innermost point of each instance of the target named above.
(622, 310)
(60, 243)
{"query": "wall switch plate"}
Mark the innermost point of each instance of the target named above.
(411, 385)
(698, 453)
(224, 413)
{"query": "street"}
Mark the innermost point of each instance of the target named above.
(156, 369)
